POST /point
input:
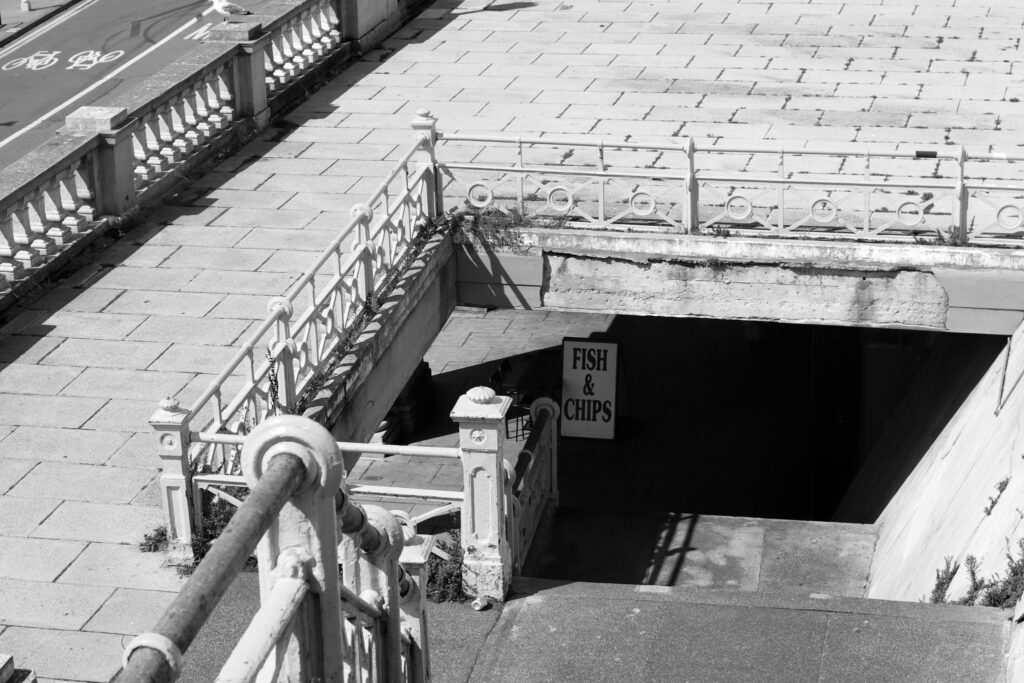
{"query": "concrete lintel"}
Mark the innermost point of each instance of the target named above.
(804, 252)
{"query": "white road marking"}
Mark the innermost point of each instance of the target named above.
(101, 81)
(64, 16)
(200, 33)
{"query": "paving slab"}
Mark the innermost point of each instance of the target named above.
(36, 559)
(95, 353)
(89, 483)
(42, 604)
(130, 611)
(65, 655)
(123, 566)
(102, 522)
(20, 516)
(828, 558)
(12, 471)
(48, 411)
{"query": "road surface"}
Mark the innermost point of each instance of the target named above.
(95, 48)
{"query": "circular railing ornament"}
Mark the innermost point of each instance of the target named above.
(738, 207)
(823, 210)
(482, 200)
(642, 204)
(910, 214)
(560, 199)
(1010, 216)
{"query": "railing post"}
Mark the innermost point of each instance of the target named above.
(538, 406)
(115, 157)
(432, 195)
(962, 198)
(302, 535)
(250, 77)
(374, 573)
(692, 189)
(414, 606)
(364, 281)
(285, 351)
(171, 423)
(487, 556)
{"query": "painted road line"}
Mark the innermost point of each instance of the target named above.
(64, 16)
(101, 81)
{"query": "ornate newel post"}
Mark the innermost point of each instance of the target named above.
(432, 196)
(487, 556)
(171, 424)
(301, 544)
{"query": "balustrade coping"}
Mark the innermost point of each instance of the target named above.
(57, 154)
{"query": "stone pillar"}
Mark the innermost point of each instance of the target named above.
(250, 77)
(487, 556)
(171, 423)
(115, 161)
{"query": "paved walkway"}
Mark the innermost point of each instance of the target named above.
(160, 312)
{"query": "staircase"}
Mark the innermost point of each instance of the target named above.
(697, 598)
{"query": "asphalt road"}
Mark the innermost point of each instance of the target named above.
(94, 48)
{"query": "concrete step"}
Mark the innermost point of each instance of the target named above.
(8, 674)
(575, 631)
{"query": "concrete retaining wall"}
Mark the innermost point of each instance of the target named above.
(940, 510)
(368, 380)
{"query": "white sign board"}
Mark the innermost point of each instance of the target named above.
(588, 388)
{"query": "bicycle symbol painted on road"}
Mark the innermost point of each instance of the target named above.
(44, 59)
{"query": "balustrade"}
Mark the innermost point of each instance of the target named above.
(365, 624)
(298, 41)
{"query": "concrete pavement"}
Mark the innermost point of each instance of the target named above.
(161, 311)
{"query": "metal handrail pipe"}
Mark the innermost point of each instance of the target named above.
(768, 180)
(236, 360)
(564, 171)
(995, 156)
(383, 186)
(264, 631)
(180, 623)
(556, 141)
(314, 270)
(392, 449)
(358, 606)
(526, 460)
(348, 446)
(872, 151)
(996, 188)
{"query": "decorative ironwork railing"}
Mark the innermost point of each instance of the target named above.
(863, 192)
(532, 483)
(366, 624)
(284, 355)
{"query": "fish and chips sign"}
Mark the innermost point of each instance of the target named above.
(588, 388)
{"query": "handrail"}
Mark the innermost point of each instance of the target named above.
(192, 606)
(347, 446)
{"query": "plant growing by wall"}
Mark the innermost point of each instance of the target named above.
(1000, 487)
(999, 590)
(444, 570)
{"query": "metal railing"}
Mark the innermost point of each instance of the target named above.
(865, 192)
(532, 483)
(313, 624)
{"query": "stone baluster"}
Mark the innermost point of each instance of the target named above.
(280, 72)
(308, 28)
(213, 98)
(165, 126)
(77, 198)
(54, 213)
(143, 171)
(480, 415)
(224, 84)
(39, 226)
(332, 21)
(155, 160)
(11, 267)
(21, 228)
(179, 123)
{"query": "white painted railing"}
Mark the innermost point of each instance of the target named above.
(853, 192)
(532, 483)
(366, 623)
(303, 333)
(42, 214)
